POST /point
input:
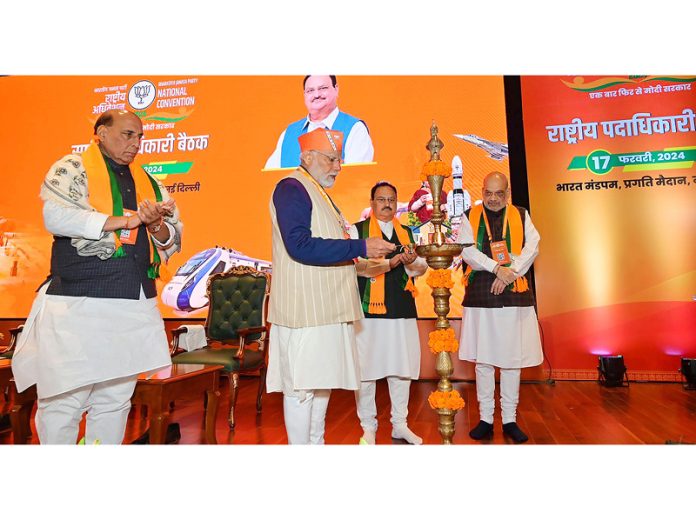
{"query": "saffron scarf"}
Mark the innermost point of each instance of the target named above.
(105, 197)
(373, 298)
(513, 235)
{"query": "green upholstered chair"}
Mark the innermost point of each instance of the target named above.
(235, 328)
(14, 336)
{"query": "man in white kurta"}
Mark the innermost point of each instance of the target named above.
(314, 294)
(94, 325)
(499, 323)
(388, 341)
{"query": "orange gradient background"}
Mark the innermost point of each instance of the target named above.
(244, 116)
(616, 272)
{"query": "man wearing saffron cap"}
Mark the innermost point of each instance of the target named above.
(321, 100)
(388, 343)
(499, 323)
(314, 295)
(94, 325)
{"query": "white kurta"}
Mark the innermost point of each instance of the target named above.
(387, 347)
(69, 342)
(312, 358)
(506, 337)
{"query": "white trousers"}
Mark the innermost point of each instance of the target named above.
(305, 416)
(509, 392)
(107, 405)
(398, 395)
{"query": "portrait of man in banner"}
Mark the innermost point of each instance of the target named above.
(321, 99)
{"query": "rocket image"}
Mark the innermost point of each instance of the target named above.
(458, 200)
(457, 171)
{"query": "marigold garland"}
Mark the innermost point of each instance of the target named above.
(440, 278)
(448, 400)
(442, 340)
(435, 168)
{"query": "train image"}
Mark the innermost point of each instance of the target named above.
(186, 292)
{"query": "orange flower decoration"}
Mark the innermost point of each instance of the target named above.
(440, 278)
(435, 168)
(443, 340)
(449, 400)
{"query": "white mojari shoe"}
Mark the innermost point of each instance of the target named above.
(368, 437)
(403, 432)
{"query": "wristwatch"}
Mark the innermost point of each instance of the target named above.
(157, 227)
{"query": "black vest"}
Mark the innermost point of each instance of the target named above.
(478, 292)
(399, 303)
(75, 275)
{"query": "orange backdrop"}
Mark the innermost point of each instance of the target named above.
(242, 118)
(616, 273)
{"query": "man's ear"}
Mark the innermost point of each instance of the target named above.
(100, 133)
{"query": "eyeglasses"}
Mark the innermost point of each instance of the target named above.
(320, 90)
(334, 160)
(499, 194)
(382, 200)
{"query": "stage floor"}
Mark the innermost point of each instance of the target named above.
(568, 412)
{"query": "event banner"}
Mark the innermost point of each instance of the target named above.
(218, 145)
(612, 189)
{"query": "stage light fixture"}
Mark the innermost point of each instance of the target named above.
(688, 370)
(612, 371)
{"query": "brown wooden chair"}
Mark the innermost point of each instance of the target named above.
(235, 329)
(5, 390)
(14, 336)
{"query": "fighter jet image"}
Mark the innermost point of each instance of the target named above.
(497, 151)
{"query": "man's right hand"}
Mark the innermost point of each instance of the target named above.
(378, 247)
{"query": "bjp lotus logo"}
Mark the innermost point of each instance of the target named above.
(142, 94)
